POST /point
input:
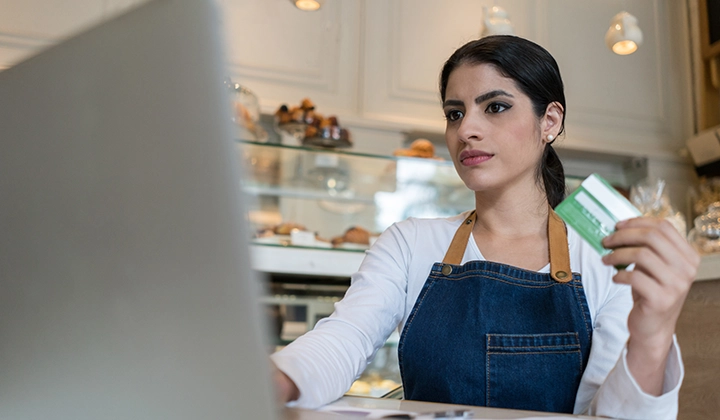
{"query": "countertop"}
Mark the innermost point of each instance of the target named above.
(389, 406)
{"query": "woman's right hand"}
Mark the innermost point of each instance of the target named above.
(285, 388)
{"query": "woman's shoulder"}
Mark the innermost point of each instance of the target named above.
(432, 224)
(423, 237)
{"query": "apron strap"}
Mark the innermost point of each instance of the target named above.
(558, 248)
(557, 243)
(459, 242)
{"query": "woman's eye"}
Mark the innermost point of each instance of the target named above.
(453, 115)
(496, 107)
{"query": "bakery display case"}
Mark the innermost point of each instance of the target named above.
(316, 210)
(330, 199)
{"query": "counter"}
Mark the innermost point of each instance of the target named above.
(349, 403)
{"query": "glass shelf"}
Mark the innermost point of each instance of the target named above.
(344, 152)
(289, 246)
(327, 190)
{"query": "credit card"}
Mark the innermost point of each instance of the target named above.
(594, 209)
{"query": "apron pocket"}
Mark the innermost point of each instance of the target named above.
(533, 371)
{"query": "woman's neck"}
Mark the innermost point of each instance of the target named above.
(511, 214)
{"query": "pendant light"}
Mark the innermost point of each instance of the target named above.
(624, 35)
(308, 5)
(496, 21)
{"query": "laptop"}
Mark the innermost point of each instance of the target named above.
(126, 287)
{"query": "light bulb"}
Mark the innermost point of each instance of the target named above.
(307, 5)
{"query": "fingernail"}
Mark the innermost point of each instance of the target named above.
(620, 224)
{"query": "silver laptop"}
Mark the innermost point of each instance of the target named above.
(125, 285)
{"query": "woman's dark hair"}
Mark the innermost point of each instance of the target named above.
(536, 74)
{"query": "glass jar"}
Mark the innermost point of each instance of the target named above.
(705, 236)
(246, 113)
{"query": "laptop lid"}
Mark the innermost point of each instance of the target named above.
(126, 287)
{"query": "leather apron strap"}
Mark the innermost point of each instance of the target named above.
(557, 243)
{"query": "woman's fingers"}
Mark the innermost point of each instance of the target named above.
(654, 295)
(645, 260)
(655, 233)
(655, 246)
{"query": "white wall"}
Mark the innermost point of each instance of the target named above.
(375, 63)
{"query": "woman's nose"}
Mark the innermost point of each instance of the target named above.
(470, 129)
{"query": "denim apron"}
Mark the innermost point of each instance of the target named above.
(490, 334)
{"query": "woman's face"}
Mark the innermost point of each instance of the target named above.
(492, 133)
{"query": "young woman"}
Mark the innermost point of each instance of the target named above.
(505, 306)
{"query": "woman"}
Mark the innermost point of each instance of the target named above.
(504, 306)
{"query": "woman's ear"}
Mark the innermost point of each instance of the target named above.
(552, 121)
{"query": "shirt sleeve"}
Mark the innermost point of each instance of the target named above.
(607, 387)
(324, 362)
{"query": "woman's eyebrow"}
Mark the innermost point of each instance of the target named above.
(453, 102)
(480, 99)
(492, 94)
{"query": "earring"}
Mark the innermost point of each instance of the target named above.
(550, 138)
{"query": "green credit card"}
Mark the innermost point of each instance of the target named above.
(594, 209)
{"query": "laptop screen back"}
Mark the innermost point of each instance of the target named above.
(126, 286)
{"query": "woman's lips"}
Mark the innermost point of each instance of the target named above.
(474, 157)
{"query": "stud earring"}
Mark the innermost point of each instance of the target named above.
(550, 138)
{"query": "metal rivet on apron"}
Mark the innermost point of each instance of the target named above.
(468, 221)
(561, 274)
(446, 269)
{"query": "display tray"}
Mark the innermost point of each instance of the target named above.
(285, 243)
(286, 240)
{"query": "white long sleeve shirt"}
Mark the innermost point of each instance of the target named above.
(324, 362)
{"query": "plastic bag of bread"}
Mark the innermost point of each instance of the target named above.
(652, 200)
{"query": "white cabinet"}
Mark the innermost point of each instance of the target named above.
(284, 54)
(629, 104)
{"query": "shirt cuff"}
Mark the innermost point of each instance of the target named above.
(621, 396)
(289, 366)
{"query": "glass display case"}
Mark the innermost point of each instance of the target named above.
(315, 211)
(327, 192)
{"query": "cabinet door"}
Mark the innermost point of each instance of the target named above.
(406, 44)
(284, 54)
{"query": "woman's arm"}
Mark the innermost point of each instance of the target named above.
(665, 267)
(320, 366)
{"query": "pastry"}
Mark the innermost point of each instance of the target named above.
(311, 127)
(286, 228)
(421, 148)
(424, 148)
(354, 235)
(307, 104)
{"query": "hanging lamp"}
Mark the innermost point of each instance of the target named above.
(308, 5)
(624, 35)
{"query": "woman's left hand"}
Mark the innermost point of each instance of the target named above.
(665, 267)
